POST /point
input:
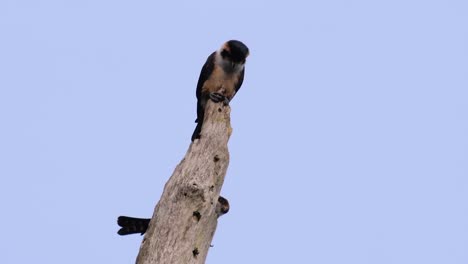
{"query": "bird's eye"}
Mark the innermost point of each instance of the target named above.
(225, 54)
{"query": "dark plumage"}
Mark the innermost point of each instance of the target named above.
(221, 77)
(132, 225)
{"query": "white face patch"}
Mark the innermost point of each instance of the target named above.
(227, 65)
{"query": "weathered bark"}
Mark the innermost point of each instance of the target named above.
(184, 220)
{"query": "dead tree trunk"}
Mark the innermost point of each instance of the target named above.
(184, 220)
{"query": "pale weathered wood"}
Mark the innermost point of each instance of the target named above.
(177, 234)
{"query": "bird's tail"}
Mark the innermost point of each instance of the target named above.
(132, 225)
(197, 131)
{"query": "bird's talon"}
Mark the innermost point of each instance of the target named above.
(217, 97)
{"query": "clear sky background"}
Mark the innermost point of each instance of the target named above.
(350, 140)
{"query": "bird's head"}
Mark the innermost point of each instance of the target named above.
(234, 51)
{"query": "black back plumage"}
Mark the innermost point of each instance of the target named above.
(132, 225)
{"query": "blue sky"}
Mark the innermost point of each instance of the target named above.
(350, 140)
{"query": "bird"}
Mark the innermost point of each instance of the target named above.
(220, 78)
(132, 225)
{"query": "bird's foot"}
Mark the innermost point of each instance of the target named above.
(217, 98)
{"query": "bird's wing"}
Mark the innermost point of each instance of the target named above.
(240, 81)
(206, 70)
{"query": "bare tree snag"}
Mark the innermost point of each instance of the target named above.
(184, 220)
